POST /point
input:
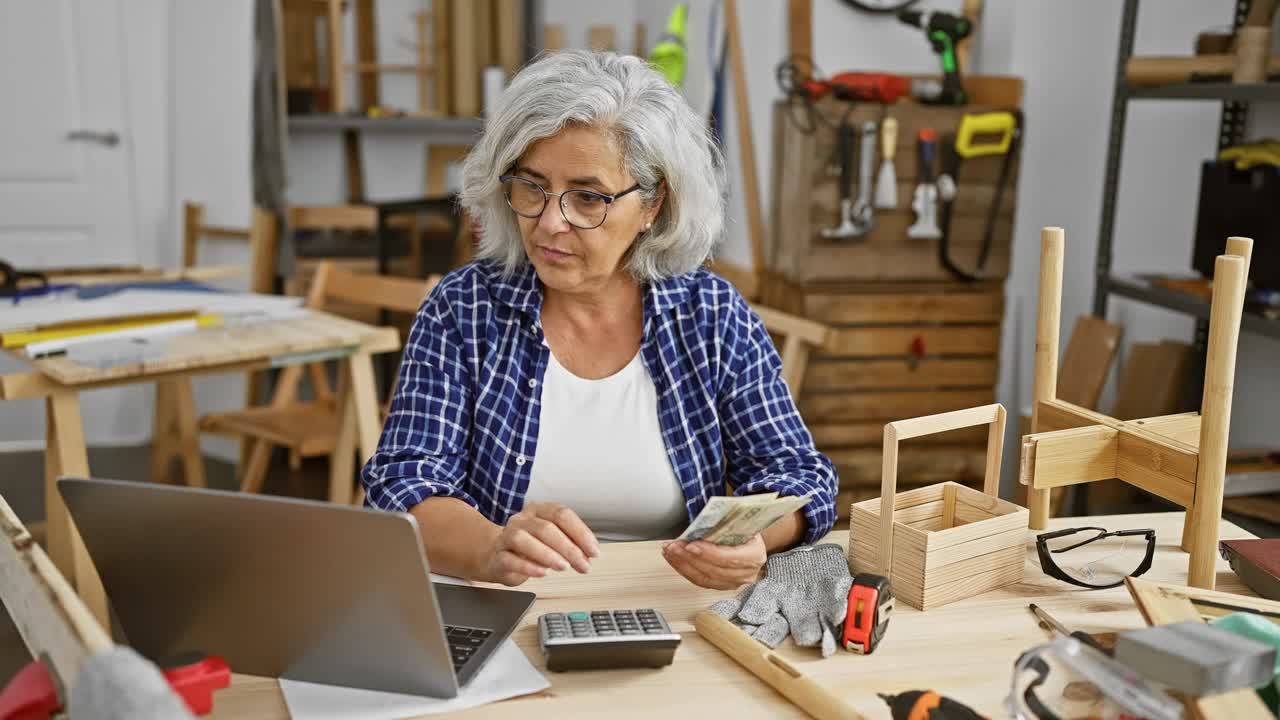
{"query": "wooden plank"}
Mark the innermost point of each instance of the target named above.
(935, 580)
(1015, 522)
(1158, 468)
(792, 325)
(855, 406)
(1068, 457)
(1057, 415)
(602, 38)
(1087, 362)
(942, 372)
(861, 466)
(54, 623)
(907, 499)
(965, 513)
(944, 340)
(231, 346)
(337, 58)
(553, 37)
(381, 291)
(441, 56)
(509, 35)
(262, 251)
(192, 219)
(973, 585)
(1153, 380)
(853, 434)
(746, 142)
(423, 69)
(905, 307)
(353, 161)
(464, 60)
(942, 422)
(367, 51)
(800, 29)
(745, 280)
(889, 256)
(486, 48)
(1183, 427)
(335, 217)
(439, 158)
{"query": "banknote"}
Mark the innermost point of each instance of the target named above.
(735, 520)
(718, 509)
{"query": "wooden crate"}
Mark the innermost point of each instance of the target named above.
(867, 375)
(807, 194)
(943, 542)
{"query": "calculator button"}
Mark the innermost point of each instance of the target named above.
(577, 617)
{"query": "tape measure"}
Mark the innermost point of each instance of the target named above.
(867, 618)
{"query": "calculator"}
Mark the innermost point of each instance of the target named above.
(604, 639)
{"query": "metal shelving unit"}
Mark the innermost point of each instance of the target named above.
(1235, 99)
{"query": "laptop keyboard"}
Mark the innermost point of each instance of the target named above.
(463, 643)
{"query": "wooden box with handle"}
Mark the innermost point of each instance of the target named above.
(944, 542)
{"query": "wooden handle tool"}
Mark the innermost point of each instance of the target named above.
(773, 669)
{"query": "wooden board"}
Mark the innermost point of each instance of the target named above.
(1087, 361)
(1153, 380)
(940, 340)
(862, 406)
(897, 374)
(833, 435)
(916, 466)
(807, 198)
(315, 331)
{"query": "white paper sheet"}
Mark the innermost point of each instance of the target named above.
(507, 674)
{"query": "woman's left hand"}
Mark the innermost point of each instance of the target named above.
(717, 567)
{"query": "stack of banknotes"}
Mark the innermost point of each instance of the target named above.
(735, 520)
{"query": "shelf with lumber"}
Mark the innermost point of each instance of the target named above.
(1153, 290)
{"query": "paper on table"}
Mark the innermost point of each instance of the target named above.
(141, 302)
(507, 674)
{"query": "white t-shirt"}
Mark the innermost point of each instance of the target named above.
(600, 453)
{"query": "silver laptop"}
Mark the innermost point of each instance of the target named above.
(283, 587)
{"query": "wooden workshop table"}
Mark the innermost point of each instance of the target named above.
(965, 649)
(305, 338)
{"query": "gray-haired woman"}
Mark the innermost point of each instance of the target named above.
(586, 378)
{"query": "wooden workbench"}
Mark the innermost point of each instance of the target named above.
(965, 649)
(59, 381)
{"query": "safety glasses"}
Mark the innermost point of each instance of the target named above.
(1095, 558)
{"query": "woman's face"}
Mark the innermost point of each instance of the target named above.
(568, 258)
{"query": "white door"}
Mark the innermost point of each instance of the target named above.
(66, 192)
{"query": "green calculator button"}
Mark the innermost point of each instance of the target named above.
(578, 617)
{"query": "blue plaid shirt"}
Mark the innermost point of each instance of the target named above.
(464, 419)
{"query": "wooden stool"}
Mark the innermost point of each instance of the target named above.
(1181, 458)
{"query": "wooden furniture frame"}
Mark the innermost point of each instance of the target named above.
(282, 343)
(798, 336)
(174, 434)
(949, 542)
(965, 650)
(1181, 458)
(325, 425)
(54, 623)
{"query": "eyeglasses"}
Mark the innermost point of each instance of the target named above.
(583, 209)
(1099, 559)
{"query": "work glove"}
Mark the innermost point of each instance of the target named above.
(806, 588)
(119, 684)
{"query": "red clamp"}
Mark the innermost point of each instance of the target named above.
(867, 617)
(33, 694)
(196, 681)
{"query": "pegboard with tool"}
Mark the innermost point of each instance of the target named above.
(908, 335)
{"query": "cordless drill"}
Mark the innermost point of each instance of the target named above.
(944, 30)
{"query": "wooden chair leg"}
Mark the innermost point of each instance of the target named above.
(1047, 327)
(255, 471)
(1215, 412)
(1188, 529)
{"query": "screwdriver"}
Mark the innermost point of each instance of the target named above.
(1058, 627)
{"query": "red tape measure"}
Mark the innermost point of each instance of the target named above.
(867, 617)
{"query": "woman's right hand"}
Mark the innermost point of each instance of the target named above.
(541, 537)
